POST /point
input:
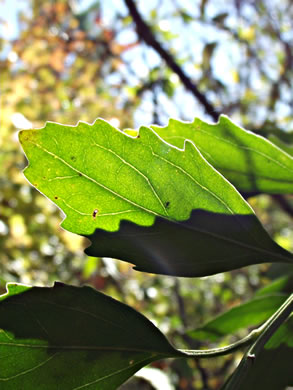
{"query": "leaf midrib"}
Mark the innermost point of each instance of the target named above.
(83, 348)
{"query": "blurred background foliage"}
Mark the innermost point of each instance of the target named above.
(67, 61)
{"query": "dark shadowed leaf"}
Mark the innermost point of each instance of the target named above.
(251, 313)
(142, 200)
(272, 368)
(206, 244)
(268, 362)
(283, 284)
(73, 338)
(249, 161)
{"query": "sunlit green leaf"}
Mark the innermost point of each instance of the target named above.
(142, 200)
(249, 161)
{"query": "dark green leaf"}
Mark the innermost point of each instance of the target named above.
(205, 244)
(249, 161)
(283, 284)
(272, 368)
(175, 213)
(268, 362)
(73, 338)
(251, 313)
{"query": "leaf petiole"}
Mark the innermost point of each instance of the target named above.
(261, 334)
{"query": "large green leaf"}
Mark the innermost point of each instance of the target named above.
(249, 161)
(268, 362)
(72, 338)
(99, 176)
(251, 313)
(142, 200)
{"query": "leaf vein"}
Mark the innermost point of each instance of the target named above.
(139, 172)
(30, 369)
(95, 181)
(195, 181)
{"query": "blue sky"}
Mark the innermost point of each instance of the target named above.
(142, 59)
(8, 11)
(226, 59)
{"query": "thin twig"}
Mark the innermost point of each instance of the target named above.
(146, 34)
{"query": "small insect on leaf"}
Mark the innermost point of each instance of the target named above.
(95, 212)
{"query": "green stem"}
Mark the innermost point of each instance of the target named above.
(262, 334)
(272, 324)
(213, 352)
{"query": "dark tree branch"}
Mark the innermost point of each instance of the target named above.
(145, 33)
(180, 303)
